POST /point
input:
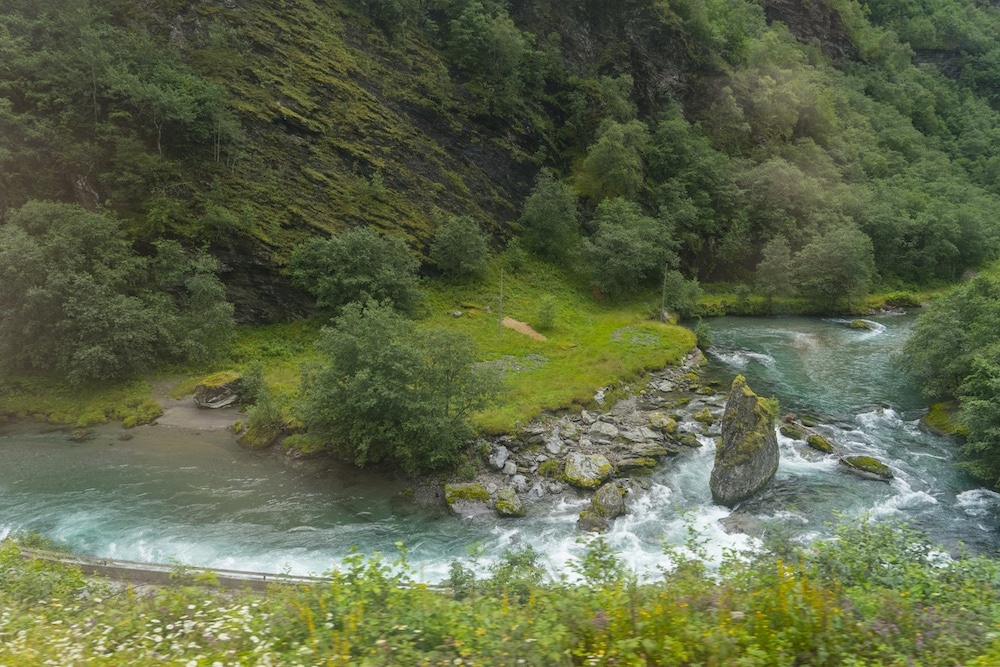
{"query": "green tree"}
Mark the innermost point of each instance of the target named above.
(387, 392)
(629, 249)
(459, 249)
(76, 299)
(485, 42)
(775, 271)
(356, 266)
(551, 218)
(615, 163)
(835, 266)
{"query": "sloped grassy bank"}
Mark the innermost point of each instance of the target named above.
(874, 594)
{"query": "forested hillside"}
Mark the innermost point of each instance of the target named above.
(827, 132)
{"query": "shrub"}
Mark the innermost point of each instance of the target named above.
(356, 266)
(459, 249)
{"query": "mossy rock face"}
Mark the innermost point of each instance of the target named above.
(509, 504)
(820, 443)
(587, 471)
(868, 467)
(791, 431)
(747, 456)
(659, 421)
(703, 416)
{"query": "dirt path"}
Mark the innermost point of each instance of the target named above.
(522, 327)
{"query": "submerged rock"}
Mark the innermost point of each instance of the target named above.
(867, 467)
(747, 456)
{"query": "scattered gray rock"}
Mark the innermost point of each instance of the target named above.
(509, 468)
(499, 457)
(603, 429)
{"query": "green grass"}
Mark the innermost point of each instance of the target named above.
(51, 400)
(590, 344)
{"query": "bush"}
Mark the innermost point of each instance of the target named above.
(77, 299)
(386, 392)
(459, 249)
(356, 266)
(546, 317)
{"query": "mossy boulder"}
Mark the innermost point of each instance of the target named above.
(819, 443)
(747, 456)
(867, 467)
(509, 503)
(468, 498)
(587, 471)
(940, 419)
(860, 324)
(703, 416)
(791, 431)
(659, 421)
(636, 464)
(689, 440)
(608, 503)
(217, 391)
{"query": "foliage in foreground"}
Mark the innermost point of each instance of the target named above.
(873, 595)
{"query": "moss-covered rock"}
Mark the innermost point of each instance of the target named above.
(820, 443)
(791, 431)
(940, 418)
(868, 467)
(509, 503)
(689, 440)
(703, 416)
(747, 456)
(217, 391)
(659, 421)
(465, 491)
(860, 324)
(607, 503)
(587, 471)
(636, 464)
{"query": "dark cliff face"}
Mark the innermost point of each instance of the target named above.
(636, 37)
(813, 22)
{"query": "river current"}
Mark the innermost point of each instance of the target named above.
(168, 494)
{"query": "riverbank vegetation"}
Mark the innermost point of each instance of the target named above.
(873, 594)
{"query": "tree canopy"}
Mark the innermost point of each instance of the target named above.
(387, 392)
(76, 299)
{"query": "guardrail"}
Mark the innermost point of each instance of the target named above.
(164, 573)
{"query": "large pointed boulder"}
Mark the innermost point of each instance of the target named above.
(747, 456)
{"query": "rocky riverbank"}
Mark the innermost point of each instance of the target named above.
(608, 455)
